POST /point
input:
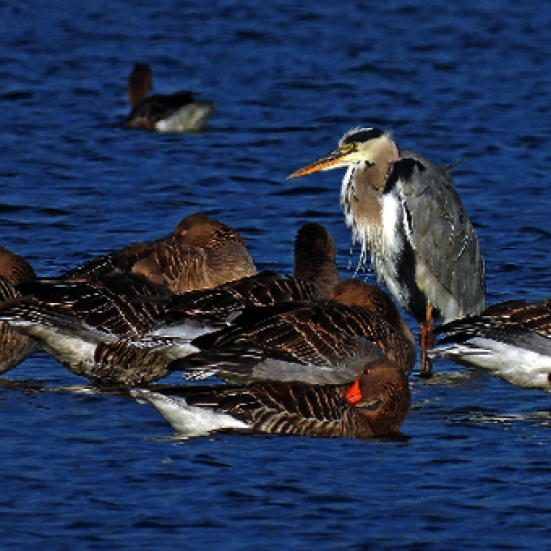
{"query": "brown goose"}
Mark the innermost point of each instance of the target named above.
(215, 305)
(145, 358)
(138, 360)
(375, 405)
(315, 276)
(200, 253)
(14, 347)
(100, 327)
(509, 340)
(76, 320)
(315, 254)
(324, 342)
(177, 112)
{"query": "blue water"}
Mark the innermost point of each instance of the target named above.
(456, 83)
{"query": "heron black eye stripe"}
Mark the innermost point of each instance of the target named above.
(361, 135)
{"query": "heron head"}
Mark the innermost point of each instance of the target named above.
(356, 146)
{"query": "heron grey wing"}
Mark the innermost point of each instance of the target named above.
(440, 232)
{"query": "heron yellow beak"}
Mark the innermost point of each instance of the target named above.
(332, 160)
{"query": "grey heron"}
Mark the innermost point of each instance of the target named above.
(406, 212)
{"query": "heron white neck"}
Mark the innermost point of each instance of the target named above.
(362, 195)
(381, 153)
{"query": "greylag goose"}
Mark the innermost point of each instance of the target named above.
(177, 112)
(200, 253)
(82, 322)
(375, 405)
(101, 326)
(14, 347)
(510, 340)
(315, 276)
(315, 255)
(324, 342)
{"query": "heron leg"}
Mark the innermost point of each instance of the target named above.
(427, 342)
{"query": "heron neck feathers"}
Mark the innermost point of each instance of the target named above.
(381, 153)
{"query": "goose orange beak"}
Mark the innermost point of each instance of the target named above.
(354, 394)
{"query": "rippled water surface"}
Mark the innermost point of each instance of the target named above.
(469, 84)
